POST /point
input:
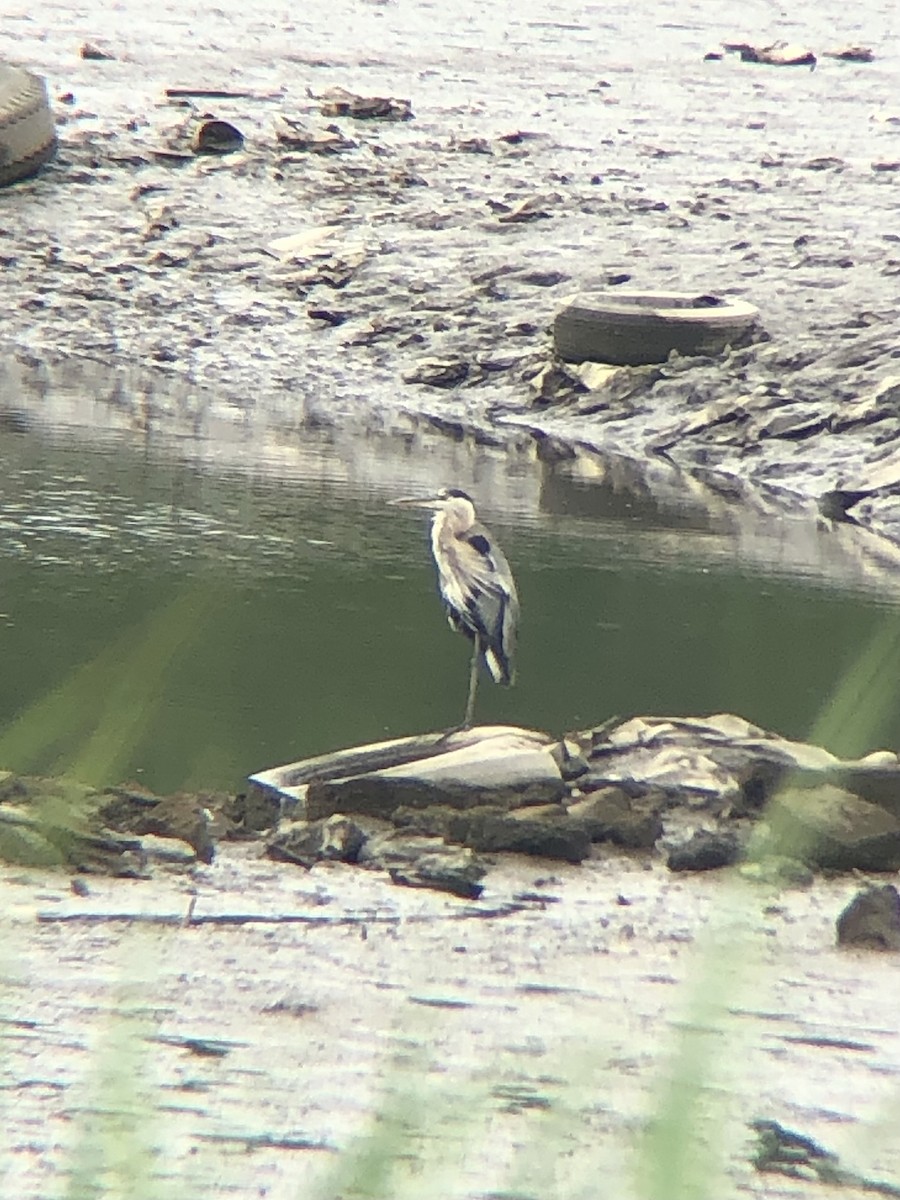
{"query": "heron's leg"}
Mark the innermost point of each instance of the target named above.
(473, 683)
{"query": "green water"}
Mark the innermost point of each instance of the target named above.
(183, 621)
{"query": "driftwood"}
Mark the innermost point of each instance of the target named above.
(240, 919)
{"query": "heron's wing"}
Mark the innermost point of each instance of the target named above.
(480, 594)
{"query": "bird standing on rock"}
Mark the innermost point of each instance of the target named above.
(476, 586)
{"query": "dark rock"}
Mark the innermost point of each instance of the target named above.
(551, 837)
(857, 54)
(472, 145)
(458, 873)
(168, 851)
(327, 315)
(871, 919)
(335, 839)
(834, 828)
(427, 822)
(184, 816)
(337, 102)
(793, 1154)
(395, 847)
(705, 851)
(252, 812)
(608, 815)
(217, 137)
(439, 373)
(779, 54)
(94, 53)
(295, 136)
(544, 279)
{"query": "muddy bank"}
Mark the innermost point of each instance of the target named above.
(267, 1009)
(254, 1051)
(339, 265)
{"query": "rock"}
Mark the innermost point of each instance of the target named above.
(532, 209)
(608, 815)
(858, 54)
(458, 873)
(556, 382)
(543, 279)
(571, 762)
(45, 841)
(871, 919)
(874, 779)
(395, 847)
(216, 137)
(490, 831)
(503, 770)
(593, 375)
(94, 53)
(184, 816)
(793, 1154)
(438, 372)
(296, 136)
(433, 821)
(779, 54)
(472, 145)
(831, 827)
(705, 851)
(338, 102)
(169, 851)
(335, 839)
(252, 812)
(715, 762)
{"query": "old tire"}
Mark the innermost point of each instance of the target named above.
(635, 328)
(27, 131)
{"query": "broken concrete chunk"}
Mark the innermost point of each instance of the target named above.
(336, 839)
(501, 771)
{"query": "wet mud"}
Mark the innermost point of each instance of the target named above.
(407, 249)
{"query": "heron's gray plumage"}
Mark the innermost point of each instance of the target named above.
(476, 585)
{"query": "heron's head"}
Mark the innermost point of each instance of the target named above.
(456, 504)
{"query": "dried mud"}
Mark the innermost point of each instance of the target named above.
(485, 1030)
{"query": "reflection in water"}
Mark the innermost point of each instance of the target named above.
(184, 612)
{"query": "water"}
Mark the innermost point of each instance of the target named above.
(184, 611)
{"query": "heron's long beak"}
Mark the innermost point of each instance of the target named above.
(414, 502)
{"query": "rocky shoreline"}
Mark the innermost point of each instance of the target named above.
(435, 810)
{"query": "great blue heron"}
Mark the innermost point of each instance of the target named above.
(476, 585)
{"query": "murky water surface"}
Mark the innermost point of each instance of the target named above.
(185, 611)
